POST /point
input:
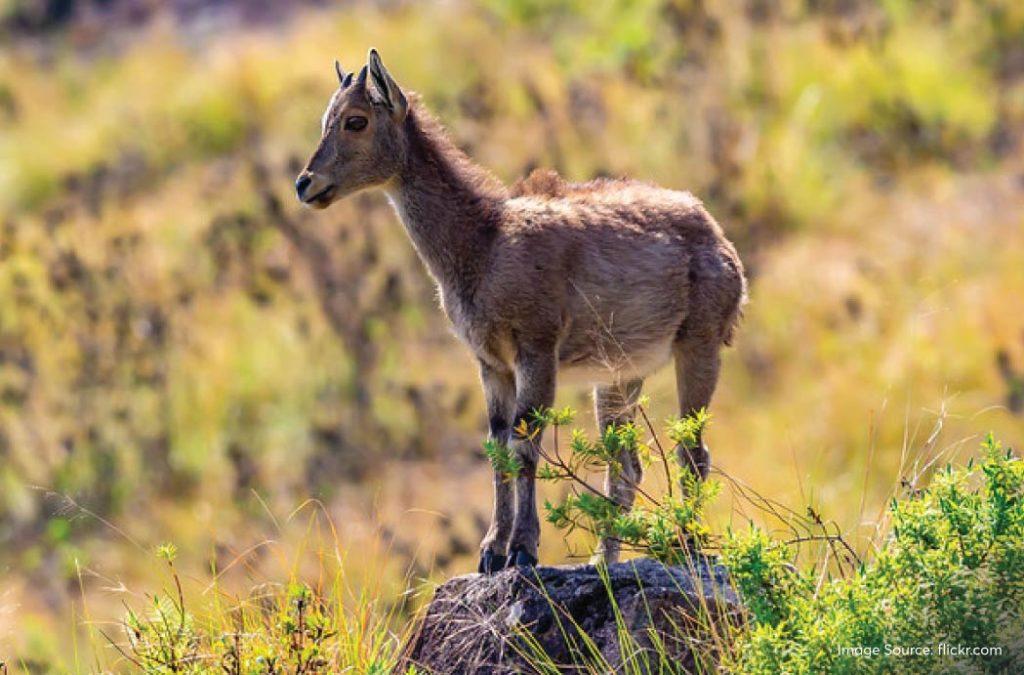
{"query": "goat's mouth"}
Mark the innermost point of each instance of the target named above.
(322, 199)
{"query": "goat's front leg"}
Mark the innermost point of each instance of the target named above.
(500, 392)
(535, 390)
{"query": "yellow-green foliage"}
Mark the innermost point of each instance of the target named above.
(943, 594)
(163, 355)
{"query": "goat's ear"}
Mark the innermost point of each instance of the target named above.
(386, 86)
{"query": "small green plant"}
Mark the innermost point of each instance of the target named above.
(163, 639)
(664, 527)
(503, 459)
(686, 431)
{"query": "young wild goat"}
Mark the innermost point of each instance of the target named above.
(601, 281)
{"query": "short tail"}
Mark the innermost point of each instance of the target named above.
(732, 321)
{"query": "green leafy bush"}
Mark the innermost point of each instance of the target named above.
(944, 593)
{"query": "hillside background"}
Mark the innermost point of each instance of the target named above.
(173, 370)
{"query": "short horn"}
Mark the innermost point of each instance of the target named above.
(361, 78)
(339, 71)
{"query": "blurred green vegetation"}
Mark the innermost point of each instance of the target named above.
(167, 371)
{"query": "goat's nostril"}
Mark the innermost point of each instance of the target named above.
(301, 184)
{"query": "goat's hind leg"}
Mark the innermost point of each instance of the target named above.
(500, 392)
(697, 365)
(616, 405)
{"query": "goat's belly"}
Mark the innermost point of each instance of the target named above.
(610, 369)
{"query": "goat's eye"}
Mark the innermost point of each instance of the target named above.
(355, 123)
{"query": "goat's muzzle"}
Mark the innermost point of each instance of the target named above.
(314, 190)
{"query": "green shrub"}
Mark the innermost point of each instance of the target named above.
(944, 593)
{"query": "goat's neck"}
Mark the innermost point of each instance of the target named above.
(449, 207)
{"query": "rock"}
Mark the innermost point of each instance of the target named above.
(493, 624)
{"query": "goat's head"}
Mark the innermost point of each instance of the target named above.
(362, 142)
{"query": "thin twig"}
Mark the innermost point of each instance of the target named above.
(661, 450)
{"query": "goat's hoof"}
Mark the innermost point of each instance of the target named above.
(491, 562)
(518, 557)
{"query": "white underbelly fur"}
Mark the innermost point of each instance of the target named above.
(636, 365)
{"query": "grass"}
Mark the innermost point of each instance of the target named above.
(276, 629)
(314, 618)
(940, 590)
